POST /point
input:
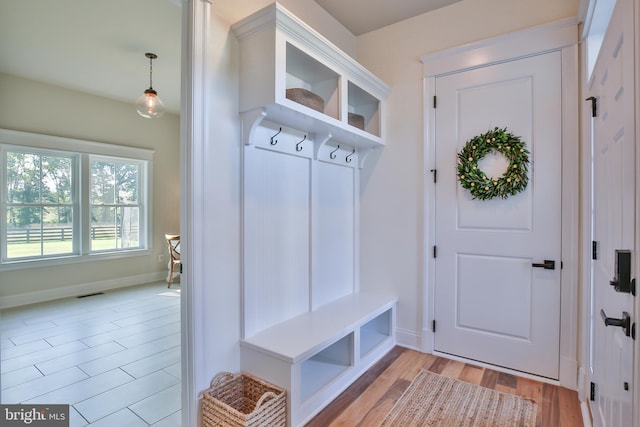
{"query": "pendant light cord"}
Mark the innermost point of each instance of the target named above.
(151, 57)
(150, 72)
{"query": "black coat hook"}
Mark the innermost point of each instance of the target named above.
(275, 141)
(348, 158)
(298, 147)
(332, 154)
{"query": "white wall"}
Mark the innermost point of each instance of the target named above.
(29, 106)
(392, 186)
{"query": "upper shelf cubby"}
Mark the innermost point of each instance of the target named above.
(292, 75)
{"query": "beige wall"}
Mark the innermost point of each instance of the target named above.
(33, 107)
(392, 203)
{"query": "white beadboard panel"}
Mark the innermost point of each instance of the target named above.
(333, 232)
(276, 238)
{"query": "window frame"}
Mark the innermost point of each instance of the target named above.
(83, 150)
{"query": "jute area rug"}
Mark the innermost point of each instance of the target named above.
(435, 400)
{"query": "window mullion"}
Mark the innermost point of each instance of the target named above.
(83, 205)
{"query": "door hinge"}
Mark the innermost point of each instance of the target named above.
(594, 250)
(435, 103)
(435, 175)
(592, 393)
(435, 251)
(594, 105)
(180, 268)
(433, 325)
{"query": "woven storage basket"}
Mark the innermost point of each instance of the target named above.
(243, 400)
(356, 120)
(306, 98)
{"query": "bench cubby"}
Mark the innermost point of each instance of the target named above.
(316, 355)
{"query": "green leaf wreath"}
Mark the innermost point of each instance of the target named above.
(515, 178)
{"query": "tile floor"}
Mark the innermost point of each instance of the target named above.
(115, 357)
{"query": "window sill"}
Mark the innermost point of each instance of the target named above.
(72, 259)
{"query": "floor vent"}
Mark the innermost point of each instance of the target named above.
(90, 295)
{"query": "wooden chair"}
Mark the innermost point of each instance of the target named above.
(173, 240)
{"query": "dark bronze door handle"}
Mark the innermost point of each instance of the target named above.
(547, 265)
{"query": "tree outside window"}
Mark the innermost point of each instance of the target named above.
(39, 213)
(115, 211)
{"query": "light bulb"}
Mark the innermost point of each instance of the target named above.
(149, 105)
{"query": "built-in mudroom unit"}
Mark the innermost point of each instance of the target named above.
(310, 116)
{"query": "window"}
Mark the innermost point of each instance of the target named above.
(65, 199)
(115, 204)
(40, 204)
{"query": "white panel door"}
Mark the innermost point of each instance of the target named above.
(491, 303)
(613, 154)
(276, 238)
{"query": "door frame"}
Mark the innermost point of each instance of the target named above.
(589, 15)
(557, 36)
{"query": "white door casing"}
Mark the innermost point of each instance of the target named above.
(491, 304)
(613, 219)
(560, 37)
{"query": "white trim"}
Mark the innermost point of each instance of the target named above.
(520, 44)
(72, 259)
(58, 143)
(193, 140)
(408, 339)
(636, 354)
(586, 414)
(78, 290)
(585, 233)
(569, 297)
(559, 36)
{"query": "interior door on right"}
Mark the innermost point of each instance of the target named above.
(495, 302)
(613, 154)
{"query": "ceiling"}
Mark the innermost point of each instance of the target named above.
(363, 16)
(98, 46)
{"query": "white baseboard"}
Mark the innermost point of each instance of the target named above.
(569, 373)
(408, 339)
(77, 290)
(427, 341)
(586, 414)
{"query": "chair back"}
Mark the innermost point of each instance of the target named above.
(173, 240)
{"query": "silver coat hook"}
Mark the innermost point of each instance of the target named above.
(298, 147)
(275, 141)
(332, 154)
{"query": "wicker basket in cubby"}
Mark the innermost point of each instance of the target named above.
(243, 400)
(306, 98)
(356, 120)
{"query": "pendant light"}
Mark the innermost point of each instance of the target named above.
(149, 105)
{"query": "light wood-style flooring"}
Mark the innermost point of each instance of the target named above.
(371, 397)
(114, 357)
